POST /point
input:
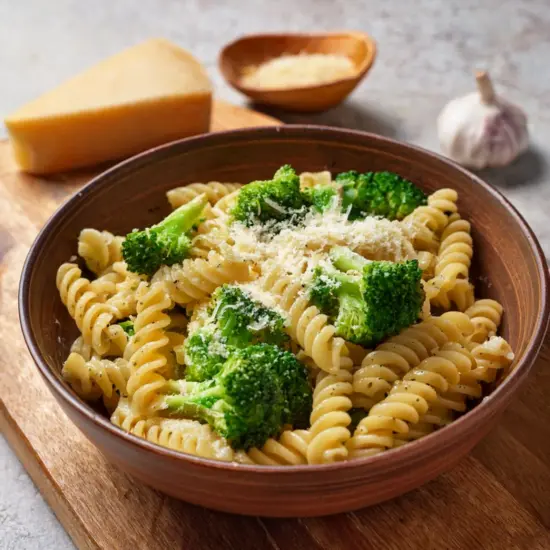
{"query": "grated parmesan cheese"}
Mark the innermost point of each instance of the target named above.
(294, 71)
(298, 250)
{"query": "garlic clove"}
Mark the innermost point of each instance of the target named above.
(481, 129)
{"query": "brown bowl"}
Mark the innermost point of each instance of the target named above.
(132, 195)
(253, 50)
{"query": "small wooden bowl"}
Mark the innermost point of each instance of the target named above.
(256, 49)
(132, 194)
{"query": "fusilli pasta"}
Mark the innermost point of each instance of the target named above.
(92, 316)
(392, 359)
(187, 436)
(290, 449)
(408, 402)
(330, 418)
(145, 351)
(429, 221)
(214, 190)
(452, 265)
(138, 331)
(196, 279)
(96, 378)
(485, 316)
(306, 324)
(99, 249)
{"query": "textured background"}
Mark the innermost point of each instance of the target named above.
(427, 52)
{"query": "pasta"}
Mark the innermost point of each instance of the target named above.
(393, 359)
(144, 352)
(290, 449)
(211, 235)
(97, 377)
(214, 190)
(123, 299)
(408, 402)
(367, 392)
(452, 266)
(330, 418)
(100, 249)
(485, 316)
(183, 435)
(431, 220)
(196, 279)
(224, 204)
(491, 356)
(307, 326)
(92, 316)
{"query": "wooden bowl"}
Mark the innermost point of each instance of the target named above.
(256, 49)
(132, 195)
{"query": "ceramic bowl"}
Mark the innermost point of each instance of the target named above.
(132, 194)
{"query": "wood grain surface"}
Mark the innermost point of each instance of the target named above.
(497, 498)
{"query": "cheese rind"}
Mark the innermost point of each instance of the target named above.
(144, 96)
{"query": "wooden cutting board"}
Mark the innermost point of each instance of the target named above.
(497, 498)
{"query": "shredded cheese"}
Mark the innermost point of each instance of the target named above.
(298, 250)
(293, 71)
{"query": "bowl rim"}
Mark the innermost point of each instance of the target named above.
(387, 461)
(358, 75)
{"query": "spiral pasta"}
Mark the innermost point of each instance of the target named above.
(486, 316)
(306, 324)
(429, 221)
(96, 378)
(80, 347)
(409, 401)
(118, 339)
(145, 351)
(392, 359)
(187, 436)
(214, 190)
(453, 263)
(105, 285)
(225, 204)
(330, 418)
(91, 315)
(491, 356)
(426, 262)
(289, 449)
(196, 279)
(99, 249)
(211, 235)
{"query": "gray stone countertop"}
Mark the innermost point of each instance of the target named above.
(428, 50)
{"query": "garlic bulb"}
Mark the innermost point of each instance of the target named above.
(480, 129)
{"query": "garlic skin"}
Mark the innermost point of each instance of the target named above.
(481, 130)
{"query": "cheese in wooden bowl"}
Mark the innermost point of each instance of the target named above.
(144, 96)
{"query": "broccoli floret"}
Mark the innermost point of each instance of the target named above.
(236, 321)
(165, 243)
(243, 321)
(274, 200)
(367, 301)
(259, 389)
(204, 354)
(295, 385)
(321, 197)
(128, 327)
(378, 193)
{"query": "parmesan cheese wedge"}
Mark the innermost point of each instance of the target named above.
(144, 96)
